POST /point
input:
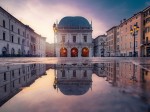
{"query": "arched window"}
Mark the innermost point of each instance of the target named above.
(85, 73)
(4, 24)
(24, 52)
(4, 51)
(12, 73)
(4, 36)
(18, 31)
(74, 52)
(31, 49)
(12, 52)
(63, 52)
(74, 39)
(85, 38)
(19, 52)
(63, 73)
(27, 43)
(5, 77)
(74, 73)
(23, 69)
(12, 38)
(85, 52)
(28, 52)
(23, 42)
(18, 40)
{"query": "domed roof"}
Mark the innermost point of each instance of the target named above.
(74, 22)
(70, 89)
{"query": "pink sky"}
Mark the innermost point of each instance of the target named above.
(42, 16)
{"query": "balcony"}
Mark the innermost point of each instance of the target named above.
(146, 42)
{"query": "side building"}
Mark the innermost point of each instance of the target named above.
(111, 41)
(18, 39)
(146, 22)
(124, 74)
(13, 78)
(100, 46)
(131, 37)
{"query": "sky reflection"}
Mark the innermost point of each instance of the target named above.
(101, 88)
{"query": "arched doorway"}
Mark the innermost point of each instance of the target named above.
(31, 49)
(19, 52)
(63, 52)
(74, 52)
(24, 52)
(28, 53)
(12, 52)
(85, 52)
(4, 51)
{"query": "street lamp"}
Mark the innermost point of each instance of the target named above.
(55, 31)
(134, 30)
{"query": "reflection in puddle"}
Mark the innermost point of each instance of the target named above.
(73, 80)
(113, 86)
(14, 78)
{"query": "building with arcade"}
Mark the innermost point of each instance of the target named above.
(73, 37)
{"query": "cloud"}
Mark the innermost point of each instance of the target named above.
(41, 15)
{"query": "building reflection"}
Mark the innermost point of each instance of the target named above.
(99, 69)
(127, 77)
(125, 74)
(73, 79)
(13, 78)
(76, 79)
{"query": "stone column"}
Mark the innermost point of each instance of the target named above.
(68, 52)
(79, 51)
(90, 52)
(57, 51)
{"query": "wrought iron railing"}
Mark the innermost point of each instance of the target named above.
(146, 42)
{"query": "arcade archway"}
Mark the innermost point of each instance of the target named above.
(63, 52)
(19, 52)
(74, 52)
(4, 51)
(12, 51)
(85, 52)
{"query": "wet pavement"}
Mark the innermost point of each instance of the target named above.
(75, 85)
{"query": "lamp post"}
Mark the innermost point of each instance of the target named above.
(134, 30)
(55, 30)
